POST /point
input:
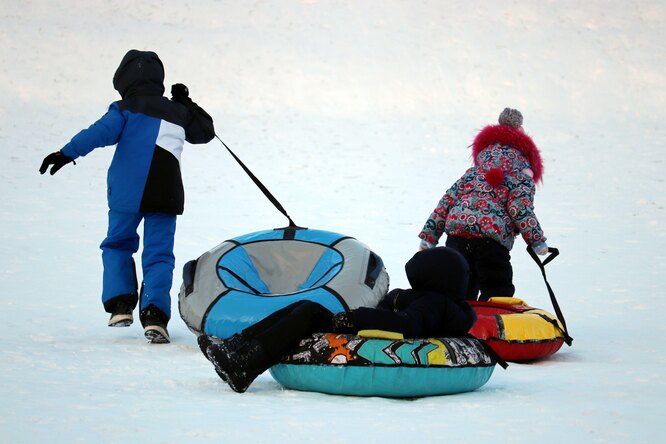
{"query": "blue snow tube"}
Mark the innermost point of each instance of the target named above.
(247, 278)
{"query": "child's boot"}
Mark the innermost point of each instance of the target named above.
(231, 344)
(239, 368)
(154, 323)
(121, 313)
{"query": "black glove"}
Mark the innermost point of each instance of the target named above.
(57, 159)
(200, 129)
(180, 93)
(342, 322)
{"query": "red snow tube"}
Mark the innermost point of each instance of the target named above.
(516, 331)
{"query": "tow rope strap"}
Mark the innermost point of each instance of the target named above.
(554, 252)
(261, 186)
(193, 109)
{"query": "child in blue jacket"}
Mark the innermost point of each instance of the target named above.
(143, 183)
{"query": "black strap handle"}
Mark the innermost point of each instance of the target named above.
(197, 114)
(261, 186)
(554, 252)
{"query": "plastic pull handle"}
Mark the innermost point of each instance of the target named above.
(375, 267)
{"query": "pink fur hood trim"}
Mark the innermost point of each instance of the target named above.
(516, 138)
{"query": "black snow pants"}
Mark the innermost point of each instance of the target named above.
(490, 266)
(281, 331)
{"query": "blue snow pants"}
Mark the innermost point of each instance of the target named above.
(157, 258)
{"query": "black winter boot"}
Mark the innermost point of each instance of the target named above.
(121, 308)
(154, 323)
(231, 344)
(121, 315)
(206, 341)
(239, 368)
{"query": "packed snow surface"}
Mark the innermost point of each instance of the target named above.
(357, 115)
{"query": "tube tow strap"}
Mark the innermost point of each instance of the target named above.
(554, 252)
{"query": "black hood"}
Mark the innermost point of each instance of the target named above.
(440, 269)
(140, 73)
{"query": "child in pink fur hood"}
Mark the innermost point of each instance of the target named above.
(490, 204)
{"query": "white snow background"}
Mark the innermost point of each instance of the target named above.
(357, 115)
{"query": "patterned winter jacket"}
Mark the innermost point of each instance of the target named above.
(150, 131)
(495, 197)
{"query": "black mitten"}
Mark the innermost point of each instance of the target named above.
(57, 159)
(200, 129)
(343, 322)
(180, 93)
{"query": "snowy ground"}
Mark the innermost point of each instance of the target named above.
(357, 115)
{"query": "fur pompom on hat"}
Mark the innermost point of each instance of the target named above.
(511, 117)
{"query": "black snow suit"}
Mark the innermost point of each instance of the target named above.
(434, 306)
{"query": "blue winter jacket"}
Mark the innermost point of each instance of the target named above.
(150, 131)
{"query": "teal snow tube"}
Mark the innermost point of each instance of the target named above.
(405, 368)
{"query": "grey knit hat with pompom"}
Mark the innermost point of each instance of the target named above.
(511, 117)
